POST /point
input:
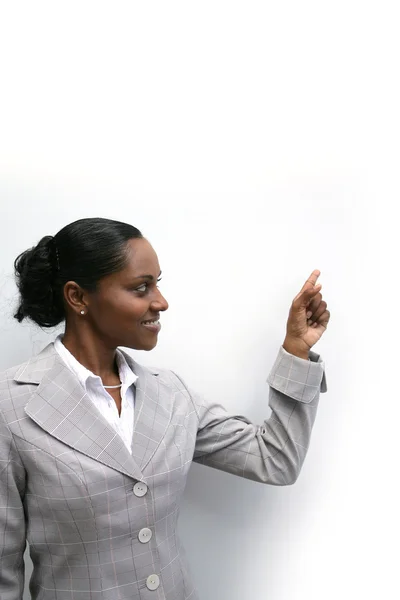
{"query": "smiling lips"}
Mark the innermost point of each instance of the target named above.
(153, 320)
(152, 325)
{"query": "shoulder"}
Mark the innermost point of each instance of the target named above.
(11, 372)
(14, 394)
(7, 377)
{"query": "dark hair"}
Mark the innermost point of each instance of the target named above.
(83, 251)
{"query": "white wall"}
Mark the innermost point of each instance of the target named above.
(251, 142)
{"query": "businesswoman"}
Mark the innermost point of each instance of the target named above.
(95, 448)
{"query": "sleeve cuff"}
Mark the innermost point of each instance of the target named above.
(298, 378)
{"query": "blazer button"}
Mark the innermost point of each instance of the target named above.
(145, 535)
(153, 582)
(140, 489)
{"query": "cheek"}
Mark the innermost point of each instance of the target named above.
(127, 307)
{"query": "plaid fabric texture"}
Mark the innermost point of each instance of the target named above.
(102, 523)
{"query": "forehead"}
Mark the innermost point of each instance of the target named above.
(141, 259)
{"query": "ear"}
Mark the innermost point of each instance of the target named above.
(75, 297)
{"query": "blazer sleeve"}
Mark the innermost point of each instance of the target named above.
(273, 452)
(12, 517)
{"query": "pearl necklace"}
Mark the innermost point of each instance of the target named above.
(112, 386)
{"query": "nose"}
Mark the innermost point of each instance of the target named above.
(160, 302)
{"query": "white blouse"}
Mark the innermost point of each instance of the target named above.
(102, 400)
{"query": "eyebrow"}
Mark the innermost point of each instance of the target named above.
(146, 276)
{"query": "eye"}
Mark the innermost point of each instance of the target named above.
(145, 285)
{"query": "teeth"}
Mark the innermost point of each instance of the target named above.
(150, 322)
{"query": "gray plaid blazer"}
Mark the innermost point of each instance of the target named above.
(102, 524)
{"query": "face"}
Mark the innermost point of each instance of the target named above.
(125, 299)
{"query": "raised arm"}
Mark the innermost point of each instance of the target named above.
(273, 452)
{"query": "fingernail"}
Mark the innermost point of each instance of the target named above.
(309, 313)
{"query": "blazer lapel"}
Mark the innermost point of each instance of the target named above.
(61, 407)
(153, 412)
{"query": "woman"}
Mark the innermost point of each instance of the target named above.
(95, 448)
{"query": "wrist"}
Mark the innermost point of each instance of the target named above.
(295, 349)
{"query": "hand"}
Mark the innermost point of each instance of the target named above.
(303, 332)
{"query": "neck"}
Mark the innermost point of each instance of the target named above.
(93, 354)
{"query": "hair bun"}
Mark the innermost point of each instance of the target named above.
(35, 271)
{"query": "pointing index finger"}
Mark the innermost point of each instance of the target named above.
(312, 279)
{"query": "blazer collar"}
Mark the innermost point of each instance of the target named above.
(35, 368)
(61, 407)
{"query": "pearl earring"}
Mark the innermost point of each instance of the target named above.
(82, 312)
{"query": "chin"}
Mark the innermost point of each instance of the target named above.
(147, 347)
